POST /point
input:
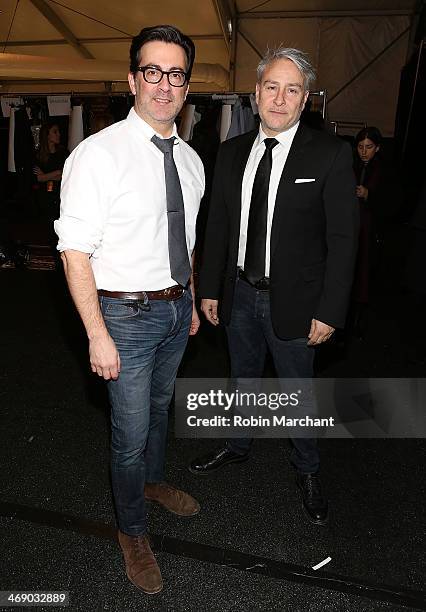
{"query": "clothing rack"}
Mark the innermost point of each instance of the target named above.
(232, 97)
(220, 96)
(73, 94)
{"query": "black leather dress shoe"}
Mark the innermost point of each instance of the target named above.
(215, 461)
(314, 504)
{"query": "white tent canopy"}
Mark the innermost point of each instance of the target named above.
(358, 48)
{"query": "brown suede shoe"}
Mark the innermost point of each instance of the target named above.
(141, 565)
(175, 500)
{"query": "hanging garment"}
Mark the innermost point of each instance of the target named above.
(187, 122)
(225, 121)
(59, 105)
(7, 103)
(242, 120)
(75, 131)
(24, 142)
(11, 152)
(24, 153)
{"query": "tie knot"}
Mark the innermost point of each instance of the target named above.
(164, 144)
(270, 143)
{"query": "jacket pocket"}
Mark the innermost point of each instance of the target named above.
(313, 272)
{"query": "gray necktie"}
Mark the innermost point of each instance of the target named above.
(180, 268)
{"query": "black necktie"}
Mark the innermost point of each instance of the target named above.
(180, 268)
(254, 262)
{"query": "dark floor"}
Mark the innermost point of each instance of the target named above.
(251, 548)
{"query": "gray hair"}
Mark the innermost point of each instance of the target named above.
(296, 56)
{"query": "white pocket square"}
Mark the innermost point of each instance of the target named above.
(304, 180)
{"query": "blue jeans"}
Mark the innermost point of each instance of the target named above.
(250, 336)
(150, 337)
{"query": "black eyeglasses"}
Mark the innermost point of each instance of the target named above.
(176, 78)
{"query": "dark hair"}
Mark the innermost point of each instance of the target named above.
(44, 151)
(163, 33)
(370, 132)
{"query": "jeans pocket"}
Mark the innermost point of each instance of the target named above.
(119, 309)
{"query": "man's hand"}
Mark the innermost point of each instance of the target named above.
(104, 357)
(209, 308)
(195, 323)
(320, 332)
(362, 192)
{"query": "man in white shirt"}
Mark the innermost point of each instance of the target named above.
(279, 252)
(129, 202)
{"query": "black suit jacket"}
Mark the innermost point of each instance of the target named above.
(314, 232)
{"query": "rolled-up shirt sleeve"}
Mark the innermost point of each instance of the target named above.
(86, 192)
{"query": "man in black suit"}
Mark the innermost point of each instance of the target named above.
(280, 249)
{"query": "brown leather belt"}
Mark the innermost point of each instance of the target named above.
(170, 294)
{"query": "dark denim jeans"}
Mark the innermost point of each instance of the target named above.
(151, 338)
(250, 336)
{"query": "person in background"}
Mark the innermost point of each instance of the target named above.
(369, 178)
(50, 161)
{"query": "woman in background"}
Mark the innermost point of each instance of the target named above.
(50, 161)
(369, 190)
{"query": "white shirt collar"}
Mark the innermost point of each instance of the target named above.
(283, 138)
(145, 129)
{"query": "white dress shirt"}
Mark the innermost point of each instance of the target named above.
(113, 205)
(279, 158)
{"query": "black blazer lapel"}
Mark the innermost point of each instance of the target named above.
(242, 146)
(291, 168)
